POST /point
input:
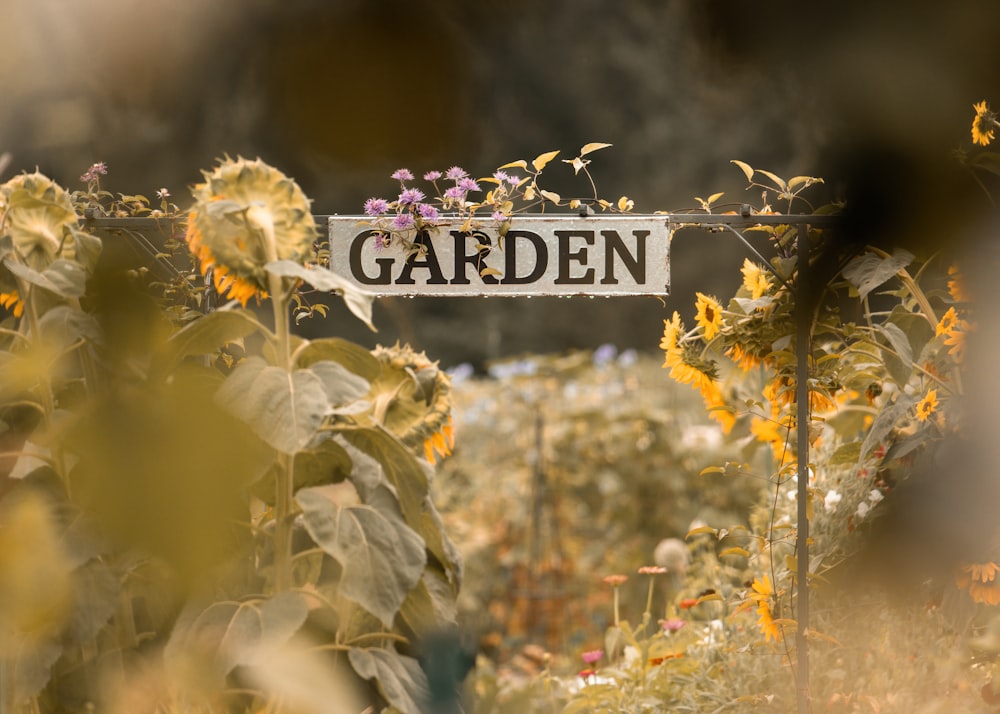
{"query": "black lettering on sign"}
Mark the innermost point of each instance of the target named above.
(635, 264)
(427, 261)
(384, 276)
(579, 256)
(511, 249)
(477, 260)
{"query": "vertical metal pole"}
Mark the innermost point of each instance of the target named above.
(803, 310)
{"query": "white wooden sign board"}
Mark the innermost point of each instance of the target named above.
(539, 255)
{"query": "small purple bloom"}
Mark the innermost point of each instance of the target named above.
(499, 216)
(455, 192)
(381, 240)
(514, 180)
(432, 176)
(467, 184)
(402, 221)
(410, 196)
(592, 657)
(455, 173)
(100, 168)
(402, 175)
(501, 176)
(427, 212)
(376, 206)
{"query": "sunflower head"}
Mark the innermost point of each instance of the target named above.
(412, 399)
(245, 215)
(38, 216)
(983, 124)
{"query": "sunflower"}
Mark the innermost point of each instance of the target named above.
(673, 330)
(956, 285)
(983, 124)
(247, 214)
(13, 302)
(755, 280)
(709, 315)
(39, 217)
(947, 323)
(980, 579)
(412, 399)
(927, 405)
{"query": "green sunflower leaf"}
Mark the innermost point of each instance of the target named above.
(399, 679)
(285, 409)
(382, 559)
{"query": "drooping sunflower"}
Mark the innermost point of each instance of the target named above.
(411, 397)
(983, 124)
(38, 215)
(245, 215)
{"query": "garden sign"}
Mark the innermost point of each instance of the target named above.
(531, 255)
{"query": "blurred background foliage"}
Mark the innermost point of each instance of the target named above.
(340, 94)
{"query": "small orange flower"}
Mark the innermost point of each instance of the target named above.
(614, 580)
(687, 603)
(652, 570)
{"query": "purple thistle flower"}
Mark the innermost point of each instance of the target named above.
(455, 192)
(381, 240)
(402, 221)
(499, 216)
(432, 176)
(467, 184)
(402, 175)
(410, 196)
(514, 180)
(427, 212)
(99, 168)
(455, 173)
(501, 176)
(376, 206)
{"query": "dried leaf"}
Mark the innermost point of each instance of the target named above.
(593, 146)
(542, 159)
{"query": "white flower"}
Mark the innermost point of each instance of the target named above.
(875, 496)
(831, 499)
(863, 509)
(632, 655)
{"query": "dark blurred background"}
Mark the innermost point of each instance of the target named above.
(339, 93)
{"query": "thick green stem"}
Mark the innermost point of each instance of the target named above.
(285, 479)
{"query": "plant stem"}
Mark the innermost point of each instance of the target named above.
(285, 478)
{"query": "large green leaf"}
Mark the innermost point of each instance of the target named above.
(898, 360)
(431, 605)
(885, 422)
(31, 669)
(399, 679)
(207, 334)
(342, 386)
(381, 557)
(866, 272)
(63, 326)
(236, 633)
(358, 301)
(62, 277)
(408, 477)
(353, 356)
(285, 409)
